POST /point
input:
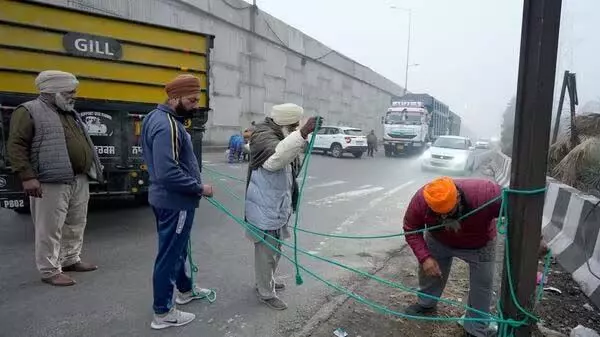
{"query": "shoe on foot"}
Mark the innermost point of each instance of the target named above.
(274, 303)
(172, 318)
(80, 267)
(418, 310)
(196, 294)
(279, 286)
(59, 280)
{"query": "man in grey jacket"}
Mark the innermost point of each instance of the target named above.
(51, 151)
(272, 191)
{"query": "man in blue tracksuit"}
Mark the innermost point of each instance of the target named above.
(174, 194)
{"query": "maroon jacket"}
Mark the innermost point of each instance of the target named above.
(476, 230)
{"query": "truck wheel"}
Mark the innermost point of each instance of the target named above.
(141, 199)
(357, 154)
(336, 150)
(22, 210)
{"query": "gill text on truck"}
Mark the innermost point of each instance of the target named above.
(122, 66)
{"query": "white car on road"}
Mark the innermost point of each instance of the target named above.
(338, 140)
(449, 153)
(482, 144)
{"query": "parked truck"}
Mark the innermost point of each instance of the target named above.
(413, 120)
(122, 67)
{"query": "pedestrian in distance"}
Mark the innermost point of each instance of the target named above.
(51, 151)
(371, 143)
(272, 192)
(473, 240)
(236, 148)
(174, 194)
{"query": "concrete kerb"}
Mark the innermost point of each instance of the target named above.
(571, 226)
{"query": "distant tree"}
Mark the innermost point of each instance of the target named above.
(508, 125)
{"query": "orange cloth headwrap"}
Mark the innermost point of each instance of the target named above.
(441, 195)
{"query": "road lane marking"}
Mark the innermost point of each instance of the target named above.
(365, 186)
(327, 184)
(357, 215)
(345, 196)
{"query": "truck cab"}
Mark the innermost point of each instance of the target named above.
(406, 128)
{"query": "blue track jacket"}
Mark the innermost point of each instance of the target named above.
(173, 167)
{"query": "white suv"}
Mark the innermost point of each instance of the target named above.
(339, 140)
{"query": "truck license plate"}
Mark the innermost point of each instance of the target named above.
(400, 146)
(13, 203)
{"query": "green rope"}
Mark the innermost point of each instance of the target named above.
(505, 326)
(365, 237)
(304, 170)
(223, 175)
(211, 297)
(255, 231)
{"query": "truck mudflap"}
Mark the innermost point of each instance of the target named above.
(11, 193)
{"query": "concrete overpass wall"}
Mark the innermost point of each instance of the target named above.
(259, 61)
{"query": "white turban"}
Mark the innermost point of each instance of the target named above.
(55, 81)
(286, 114)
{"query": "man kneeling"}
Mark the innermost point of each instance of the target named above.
(473, 240)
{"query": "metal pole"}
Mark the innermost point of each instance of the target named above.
(571, 87)
(407, 52)
(561, 102)
(533, 117)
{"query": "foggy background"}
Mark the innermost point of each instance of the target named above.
(467, 51)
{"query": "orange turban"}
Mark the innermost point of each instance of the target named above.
(441, 195)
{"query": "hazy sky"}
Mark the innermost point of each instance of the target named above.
(467, 50)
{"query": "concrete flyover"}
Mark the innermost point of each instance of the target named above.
(259, 61)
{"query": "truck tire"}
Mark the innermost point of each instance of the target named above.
(357, 154)
(141, 199)
(387, 151)
(336, 150)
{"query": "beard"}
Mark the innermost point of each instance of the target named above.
(452, 224)
(286, 130)
(180, 110)
(65, 104)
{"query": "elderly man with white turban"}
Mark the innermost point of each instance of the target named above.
(272, 191)
(51, 151)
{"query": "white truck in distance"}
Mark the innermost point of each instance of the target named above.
(406, 128)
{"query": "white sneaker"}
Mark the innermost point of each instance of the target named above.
(200, 293)
(172, 318)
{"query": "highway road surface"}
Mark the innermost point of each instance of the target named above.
(342, 196)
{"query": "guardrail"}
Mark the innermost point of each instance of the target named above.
(570, 225)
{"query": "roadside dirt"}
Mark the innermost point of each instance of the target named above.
(558, 312)
(563, 312)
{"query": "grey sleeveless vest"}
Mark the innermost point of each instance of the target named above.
(49, 156)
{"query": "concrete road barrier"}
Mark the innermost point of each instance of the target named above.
(570, 225)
